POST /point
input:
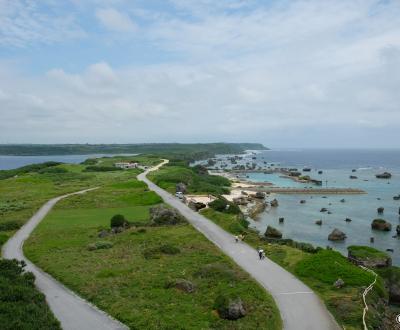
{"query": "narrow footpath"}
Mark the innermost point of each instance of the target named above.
(300, 307)
(72, 311)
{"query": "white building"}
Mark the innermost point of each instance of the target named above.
(126, 165)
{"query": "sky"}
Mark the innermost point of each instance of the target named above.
(298, 73)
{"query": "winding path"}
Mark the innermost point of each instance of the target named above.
(300, 307)
(72, 311)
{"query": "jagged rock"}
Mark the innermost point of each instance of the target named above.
(196, 206)
(336, 235)
(272, 232)
(117, 230)
(368, 257)
(103, 233)
(380, 224)
(231, 309)
(240, 201)
(339, 283)
(385, 175)
(318, 222)
(380, 210)
(259, 195)
(274, 203)
(183, 285)
(181, 187)
(161, 215)
(256, 209)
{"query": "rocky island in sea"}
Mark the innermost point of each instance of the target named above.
(320, 193)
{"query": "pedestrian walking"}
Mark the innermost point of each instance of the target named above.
(261, 253)
(236, 238)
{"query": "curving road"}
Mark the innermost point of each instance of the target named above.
(300, 307)
(72, 311)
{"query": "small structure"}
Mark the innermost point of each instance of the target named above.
(126, 165)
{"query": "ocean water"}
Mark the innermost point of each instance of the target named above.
(10, 162)
(337, 166)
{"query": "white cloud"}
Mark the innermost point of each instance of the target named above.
(26, 22)
(247, 72)
(114, 20)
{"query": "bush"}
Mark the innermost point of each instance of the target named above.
(222, 205)
(5, 174)
(10, 225)
(21, 305)
(53, 170)
(118, 220)
(169, 249)
(101, 169)
(100, 245)
(154, 253)
(217, 271)
(89, 161)
(3, 239)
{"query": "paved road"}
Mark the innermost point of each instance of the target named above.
(73, 312)
(300, 308)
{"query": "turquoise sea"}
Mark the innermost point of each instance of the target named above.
(337, 166)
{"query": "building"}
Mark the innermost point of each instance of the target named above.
(126, 165)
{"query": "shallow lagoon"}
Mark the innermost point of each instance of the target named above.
(362, 209)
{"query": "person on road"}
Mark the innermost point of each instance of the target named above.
(236, 238)
(261, 254)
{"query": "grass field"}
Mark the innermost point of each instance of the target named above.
(131, 282)
(22, 194)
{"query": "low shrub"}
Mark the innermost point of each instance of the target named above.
(118, 220)
(22, 306)
(10, 225)
(154, 253)
(169, 249)
(100, 245)
(89, 161)
(306, 247)
(101, 169)
(3, 238)
(216, 271)
(222, 205)
(53, 170)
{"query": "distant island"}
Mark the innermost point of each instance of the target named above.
(200, 150)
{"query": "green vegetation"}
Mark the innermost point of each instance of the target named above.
(222, 205)
(202, 150)
(129, 274)
(196, 182)
(118, 220)
(21, 305)
(366, 252)
(101, 169)
(5, 174)
(319, 269)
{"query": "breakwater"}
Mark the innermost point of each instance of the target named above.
(322, 191)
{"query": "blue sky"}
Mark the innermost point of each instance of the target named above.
(285, 73)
